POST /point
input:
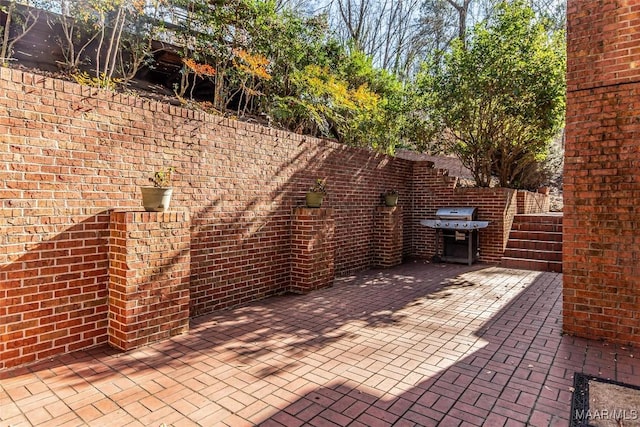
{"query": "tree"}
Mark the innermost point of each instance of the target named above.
(17, 18)
(382, 29)
(110, 38)
(498, 103)
(462, 8)
(347, 99)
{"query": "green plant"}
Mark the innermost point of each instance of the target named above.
(19, 18)
(102, 81)
(498, 102)
(319, 186)
(162, 178)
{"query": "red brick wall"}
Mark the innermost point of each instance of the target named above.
(602, 44)
(149, 260)
(601, 183)
(69, 155)
(532, 203)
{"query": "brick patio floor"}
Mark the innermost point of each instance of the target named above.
(416, 345)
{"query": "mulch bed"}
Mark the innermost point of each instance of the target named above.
(599, 402)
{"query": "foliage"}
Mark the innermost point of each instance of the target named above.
(100, 81)
(111, 38)
(251, 70)
(226, 36)
(197, 70)
(325, 104)
(20, 18)
(319, 186)
(75, 24)
(399, 34)
(499, 102)
(162, 178)
(142, 28)
(256, 58)
(350, 101)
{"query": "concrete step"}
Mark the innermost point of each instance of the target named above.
(531, 264)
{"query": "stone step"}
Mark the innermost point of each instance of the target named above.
(532, 264)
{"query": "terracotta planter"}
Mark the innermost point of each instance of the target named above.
(314, 200)
(391, 199)
(156, 199)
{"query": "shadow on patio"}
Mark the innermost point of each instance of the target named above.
(419, 344)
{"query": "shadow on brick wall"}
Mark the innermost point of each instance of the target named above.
(55, 293)
(240, 240)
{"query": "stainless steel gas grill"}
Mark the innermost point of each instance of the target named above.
(457, 238)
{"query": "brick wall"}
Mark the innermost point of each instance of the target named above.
(69, 155)
(601, 185)
(532, 203)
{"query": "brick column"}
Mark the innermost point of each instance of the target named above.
(387, 236)
(149, 260)
(312, 249)
(601, 273)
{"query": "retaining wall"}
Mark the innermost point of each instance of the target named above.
(71, 155)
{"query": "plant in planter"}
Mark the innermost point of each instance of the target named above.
(316, 193)
(391, 198)
(158, 197)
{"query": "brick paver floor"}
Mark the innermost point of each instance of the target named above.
(415, 345)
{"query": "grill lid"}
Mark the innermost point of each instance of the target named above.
(456, 213)
(454, 225)
(456, 218)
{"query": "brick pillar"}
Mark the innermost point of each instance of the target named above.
(601, 250)
(149, 266)
(387, 236)
(423, 193)
(312, 249)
